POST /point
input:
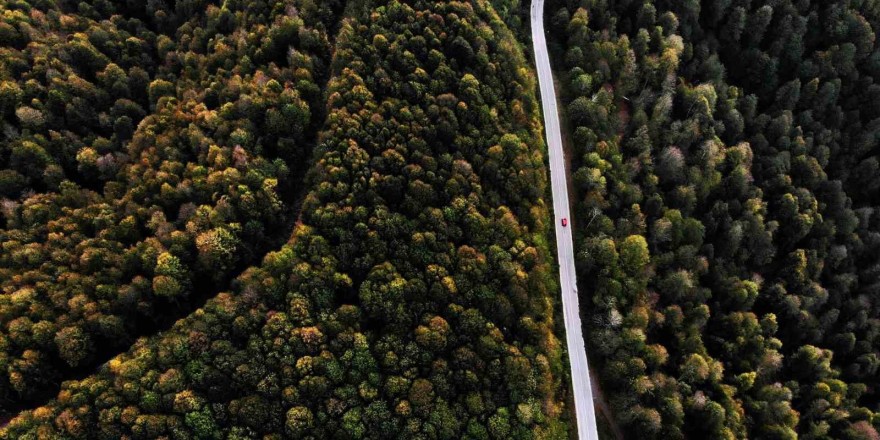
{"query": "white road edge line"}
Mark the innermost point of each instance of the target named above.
(580, 372)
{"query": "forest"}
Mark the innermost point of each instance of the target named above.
(397, 143)
(140, 172)
(332, 219)
(725, 164)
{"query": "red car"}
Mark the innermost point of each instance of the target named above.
(564, 222)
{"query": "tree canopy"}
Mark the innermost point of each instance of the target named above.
(143, 167)
(298, 219)
(725, 147)
(415, 296)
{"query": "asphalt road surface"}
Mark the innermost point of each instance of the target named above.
(574, 339)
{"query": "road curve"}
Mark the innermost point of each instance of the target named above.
(577, 354)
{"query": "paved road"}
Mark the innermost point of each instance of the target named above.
(580, 371)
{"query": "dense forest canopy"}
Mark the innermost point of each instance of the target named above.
(301, 219)
(414, 298)
(141, 169)
(725, 157)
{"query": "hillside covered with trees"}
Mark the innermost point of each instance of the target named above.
(726, 169)
(144, 166)
(415, 295)
(330, 219)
